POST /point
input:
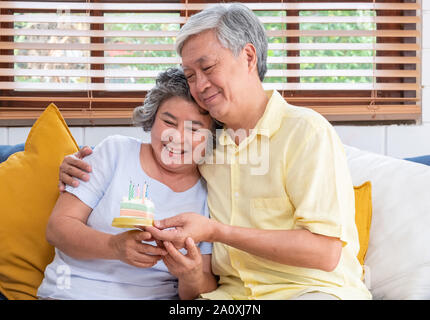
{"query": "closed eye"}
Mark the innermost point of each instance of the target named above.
(193, 128)
(169, 122)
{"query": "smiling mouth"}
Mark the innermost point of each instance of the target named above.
(173, 151)
(210, 98)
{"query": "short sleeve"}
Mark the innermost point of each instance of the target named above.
(319, 185)
(103, 162)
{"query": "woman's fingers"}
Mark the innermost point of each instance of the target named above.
(174, 253)
(140, 264)
(147, 254)
(143, 258)
(192, 250)
(150, 250)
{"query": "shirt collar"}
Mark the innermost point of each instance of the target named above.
(268, 124)
(271, 120)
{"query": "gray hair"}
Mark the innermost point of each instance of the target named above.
(170, 83)
(235, 25)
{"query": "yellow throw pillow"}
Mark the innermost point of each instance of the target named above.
(28, 192)
(363, 216)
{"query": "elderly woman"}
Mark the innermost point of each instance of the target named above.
(94, 260)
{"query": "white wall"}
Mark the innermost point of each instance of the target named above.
(395, 140)
(83, 135)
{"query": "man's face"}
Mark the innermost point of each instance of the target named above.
(217, 79)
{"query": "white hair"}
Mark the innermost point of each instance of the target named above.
(235, 25)
(170, 83)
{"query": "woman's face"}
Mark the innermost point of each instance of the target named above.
(179, 135)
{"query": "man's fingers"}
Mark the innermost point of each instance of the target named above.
(61, 186)
(167, 235)
(76, 172)
(83, 152)
(74, 162)
(73, 168)
(175, 221)
(65, 179)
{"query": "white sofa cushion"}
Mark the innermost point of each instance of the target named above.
(399, 246)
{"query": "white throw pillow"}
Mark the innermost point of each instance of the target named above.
(399, 246)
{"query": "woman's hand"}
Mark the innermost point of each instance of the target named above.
(128, 248)
(185, 267)
(74, 167)
(193, 270)
(184, 225)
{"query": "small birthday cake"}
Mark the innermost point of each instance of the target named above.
(136, 209)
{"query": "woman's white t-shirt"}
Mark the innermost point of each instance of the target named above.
(115, 166)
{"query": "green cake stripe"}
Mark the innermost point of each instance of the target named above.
(136, 206)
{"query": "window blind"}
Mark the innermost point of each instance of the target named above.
(348, 60)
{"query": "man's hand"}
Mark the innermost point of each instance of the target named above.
(184, 225)
(74, 167)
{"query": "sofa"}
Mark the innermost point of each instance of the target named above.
(397, 261)
(396, 264)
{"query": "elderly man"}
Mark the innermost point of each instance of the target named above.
(286, 231)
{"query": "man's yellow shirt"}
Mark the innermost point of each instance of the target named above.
(289, 173)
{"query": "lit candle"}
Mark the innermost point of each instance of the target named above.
(145, 186)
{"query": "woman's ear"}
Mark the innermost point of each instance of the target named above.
(251, 57)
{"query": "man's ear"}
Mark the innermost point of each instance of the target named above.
(251, 56)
